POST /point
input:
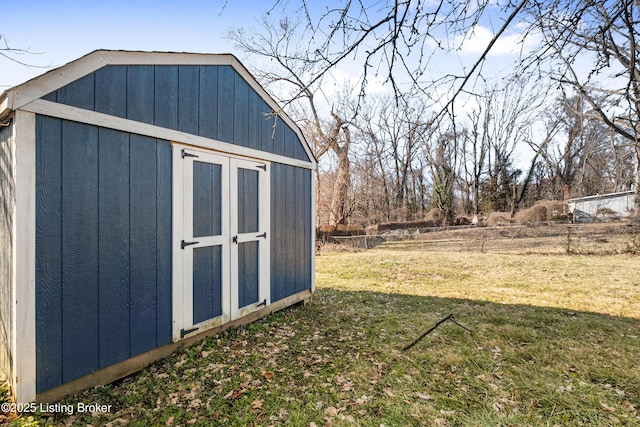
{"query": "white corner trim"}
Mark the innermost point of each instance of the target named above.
(67, 112)
(178, 277)
(24, 322)
(313, 230)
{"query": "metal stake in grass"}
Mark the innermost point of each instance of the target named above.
(438, 323)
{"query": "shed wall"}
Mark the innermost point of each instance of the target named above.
(291, 216)
(621, 205)
(211, 101)
(103, 248)
(7, 197)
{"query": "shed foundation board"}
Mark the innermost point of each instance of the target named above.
(135, 364)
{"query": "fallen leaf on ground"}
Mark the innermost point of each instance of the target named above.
(608, 408)
(423, 396)
(268, 375)
(331, 411)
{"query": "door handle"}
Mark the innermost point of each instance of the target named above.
(234, 239)
(184, 244)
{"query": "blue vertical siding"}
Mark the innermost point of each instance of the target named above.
(103, 248)
(188, 99)
(278, 140)
(144, 250)
(207, 100)
(207, 199)
(140, 93)
(111, 91)
(7, 195)
(248, 268)
(207, 221)
(166, 96)
(254, 121)
(266, 124)
(79, 93)
(291, 230)
(164, 258)
(278, 224)
(207, 283)
(79, 250)
(241, 121)
(48, 252)
(208, 103)
(113, 260)
(224, 107)
(247, 201)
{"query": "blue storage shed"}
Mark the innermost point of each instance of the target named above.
(147, 199)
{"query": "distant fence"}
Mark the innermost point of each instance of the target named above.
(531, 238)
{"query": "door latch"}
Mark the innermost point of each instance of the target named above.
(184, 244)
(235, 239)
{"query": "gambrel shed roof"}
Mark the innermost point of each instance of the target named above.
(183, 90)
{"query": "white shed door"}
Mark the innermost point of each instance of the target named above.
(222, 238)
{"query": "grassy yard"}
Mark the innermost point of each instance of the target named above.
(556, 341)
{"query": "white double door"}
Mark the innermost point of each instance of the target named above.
(221, 238)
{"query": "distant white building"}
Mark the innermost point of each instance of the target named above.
(610, 206)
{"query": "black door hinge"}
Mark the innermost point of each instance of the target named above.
(262, 303)
(187, 154)
(184, 244)
(264, 235)
(263, 167)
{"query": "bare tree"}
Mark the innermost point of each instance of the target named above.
(294, 79)
(605, 35)
(398, 40)
(393, 133)
(14, 54)
(501, 120)
(441, 151)
(474, 148)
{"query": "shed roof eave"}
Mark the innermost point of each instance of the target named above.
(5, 106)
(600, 196)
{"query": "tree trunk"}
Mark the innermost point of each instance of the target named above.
(636, 183)
(340, 205)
